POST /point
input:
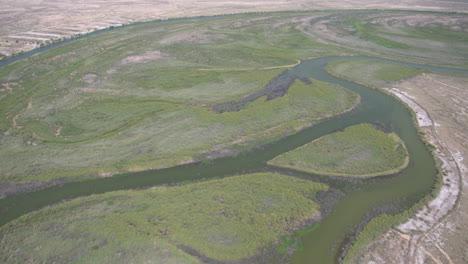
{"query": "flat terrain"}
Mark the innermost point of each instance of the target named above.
(442, 96)
(156, 96)
(443, 119)
(428, 38)
(371, 73)
(101, 97)
(226, 219)
(359, 151)
(30, 24)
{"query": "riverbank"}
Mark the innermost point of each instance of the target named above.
(439, 94)
(111, 104)
(435, 232)
(332, 228)
(442, 204)
(223, 220)
(399, 191)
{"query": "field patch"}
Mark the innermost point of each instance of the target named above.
(224, 219)
(360, 151)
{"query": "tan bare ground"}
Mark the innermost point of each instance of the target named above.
(433, 235)
(146, 57)
(253, 69)
(191, 37)
(90, 78)
(26, 24)
(143, 58)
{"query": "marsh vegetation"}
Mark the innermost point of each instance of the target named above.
(161, 95)
(223, 219)
(359, 151)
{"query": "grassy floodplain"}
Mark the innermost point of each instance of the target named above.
(360, 151)
(143, 98)
(225, 219)
(371, 73)
(425, 37)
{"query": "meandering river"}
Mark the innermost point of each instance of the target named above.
(361, 199)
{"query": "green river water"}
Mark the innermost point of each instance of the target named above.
(361, 199)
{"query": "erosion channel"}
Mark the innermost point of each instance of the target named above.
(353, 201)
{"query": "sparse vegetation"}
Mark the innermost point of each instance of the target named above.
(369, 33)
(371, 73)
(430, 38)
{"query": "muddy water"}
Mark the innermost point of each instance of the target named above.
(368, 198)
(387, 194)
(362, 198)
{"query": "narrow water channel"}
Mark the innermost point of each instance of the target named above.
(391, 194)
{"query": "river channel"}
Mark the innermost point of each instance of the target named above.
(360, 199)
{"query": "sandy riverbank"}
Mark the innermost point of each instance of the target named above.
(437, 232)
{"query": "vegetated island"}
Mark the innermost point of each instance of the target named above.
(359, 151)
(224, 219)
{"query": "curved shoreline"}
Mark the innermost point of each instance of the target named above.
(422, 220)
(228, 151)
(168, 176)
(438, 205)
(85, 194)
(355, 176)
(347, 175)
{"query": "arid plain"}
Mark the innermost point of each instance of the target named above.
(30, 24)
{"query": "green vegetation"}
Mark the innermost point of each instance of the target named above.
(145, 97)
(225, 219)
(286, 243)
(371, 73)
(360, 151)
(369, 33)
(130, 134)
(141, 98)
(372, 230)
(438, 32)
(382, 223)
(431, 38)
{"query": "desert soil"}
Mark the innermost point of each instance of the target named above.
(438, 232)
(27, 24)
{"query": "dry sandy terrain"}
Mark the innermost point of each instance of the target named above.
(26, 24)
(443, 238)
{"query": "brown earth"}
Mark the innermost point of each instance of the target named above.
(444, 237)
(27, 24)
